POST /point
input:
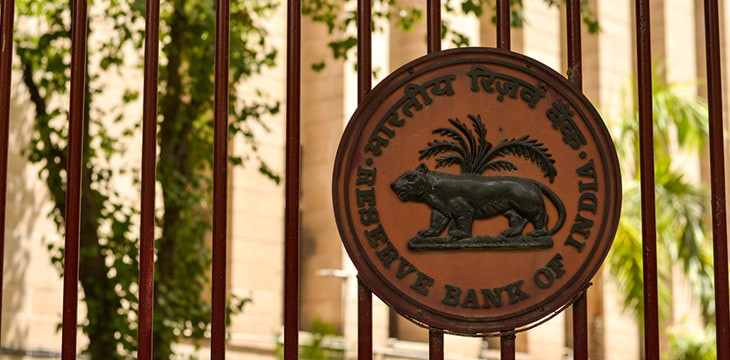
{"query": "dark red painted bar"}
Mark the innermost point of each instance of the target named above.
(507, 341)
(433, 31)
(220, 181)
(73, 182)
(507, 346)
(646, 159)
(503, 22)
(580, 327)
(575, 62)
(717, 179)
(364, 321)
(575, 74)
(291, 211)
(364, 84)
(6, 61)
(149, 155)
(435, 344)
(433, 25)
(364, 49)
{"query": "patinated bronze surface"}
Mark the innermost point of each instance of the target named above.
(476, 190)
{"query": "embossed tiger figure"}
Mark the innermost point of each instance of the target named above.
(457, 200)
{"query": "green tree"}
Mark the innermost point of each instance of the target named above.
(340, 19)
(680, 127)
(698, 345)
(109, 242)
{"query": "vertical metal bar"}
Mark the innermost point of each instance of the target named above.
(575, 61)
(364, 49)
(6, 61)
(575, 74)
(435, 344)
(433, 25)
(73, 179)
(646, 159)
(291, 211)
(717, 179)
(364, 84)
(507, 346)
(433, 30)
(364, 321)
(220, 181)
(580, 327)
(149, 152)
(503, 22)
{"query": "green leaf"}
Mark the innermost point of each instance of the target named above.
(318, 66)
(472, 6)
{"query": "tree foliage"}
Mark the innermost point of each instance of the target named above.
(680, 127)
(340, 18)
(109, 236)
(696, 345)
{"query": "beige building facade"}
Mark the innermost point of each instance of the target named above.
(33, 290)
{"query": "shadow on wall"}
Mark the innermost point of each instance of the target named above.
(31, 290)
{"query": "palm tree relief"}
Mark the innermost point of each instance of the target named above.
(456, 200)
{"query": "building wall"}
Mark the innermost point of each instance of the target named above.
(32, 288)
(322, 113)
(256, 219)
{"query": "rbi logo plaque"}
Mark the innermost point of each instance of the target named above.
(476, 191)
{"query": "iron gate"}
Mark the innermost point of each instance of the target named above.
(292, 258)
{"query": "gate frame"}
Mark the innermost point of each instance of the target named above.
(292, 192)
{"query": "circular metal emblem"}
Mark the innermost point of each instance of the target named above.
(476, 190)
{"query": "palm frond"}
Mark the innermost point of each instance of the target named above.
(626, 266)
(680, 229)
(478, 125)
(524, 147)
(626, 261)
(467, 134)
(500, 165)
(680, 115)
(460, 146)
(448, 160)
(470, 146)
(453, 134)
(484, 145)
(679, 121)
(438, 146)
